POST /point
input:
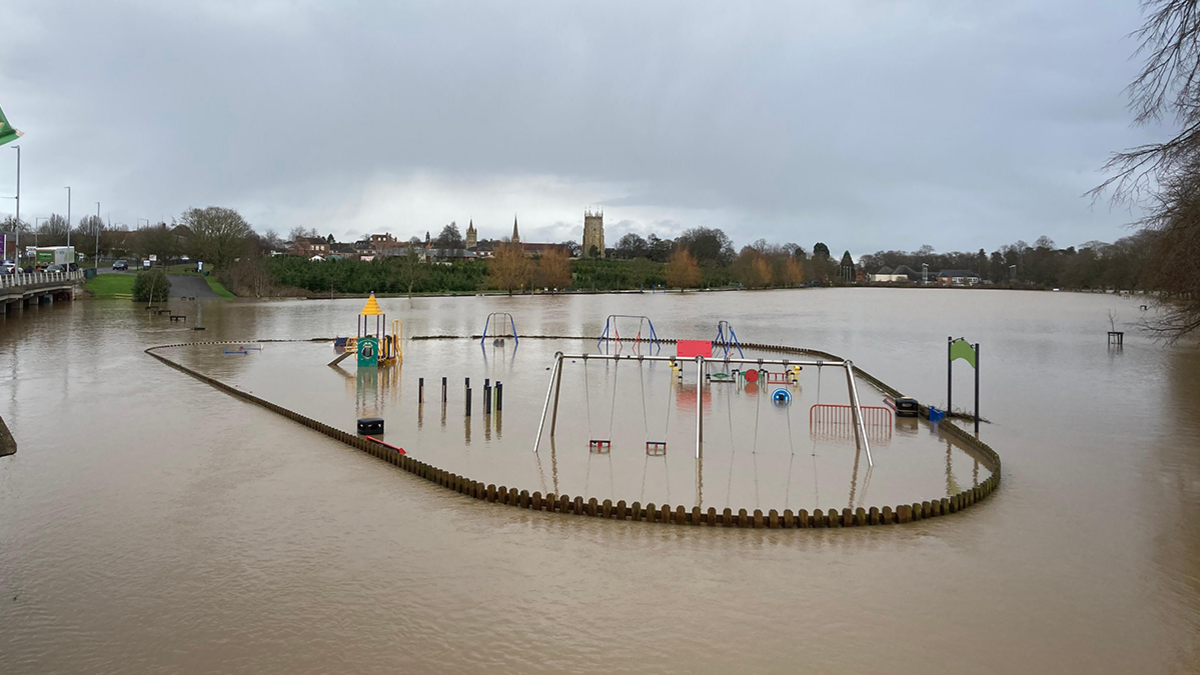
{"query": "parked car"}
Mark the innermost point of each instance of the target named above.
(120, 266)
(55, 268)
(8, 267)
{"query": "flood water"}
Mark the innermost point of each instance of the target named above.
(152, 523)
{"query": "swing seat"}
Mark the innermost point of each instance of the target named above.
(599, 447)
(656, 448)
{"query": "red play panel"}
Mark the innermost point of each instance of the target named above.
(690, 349)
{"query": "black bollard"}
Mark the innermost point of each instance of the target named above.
(487, 399)
(468, 401)
(443, 390)
(499, 395)
(420, 390)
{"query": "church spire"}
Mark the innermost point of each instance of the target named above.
(516, 238)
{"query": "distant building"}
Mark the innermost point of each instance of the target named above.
(887, 275)
(309, 247)
(516, 238)
(957, 278)
(593, 233)
(472, 235)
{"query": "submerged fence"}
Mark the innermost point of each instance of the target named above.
(650, 513)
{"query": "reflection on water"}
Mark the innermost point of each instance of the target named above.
(153, 524)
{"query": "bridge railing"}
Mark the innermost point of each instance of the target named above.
(38, 278)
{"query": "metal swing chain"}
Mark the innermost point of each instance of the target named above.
(587, 396)
(612, 411)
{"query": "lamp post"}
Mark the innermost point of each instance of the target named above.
(68, 189)
(17, 252)
(98, 224)
(36, 222)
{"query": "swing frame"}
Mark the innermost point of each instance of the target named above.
(554, 390)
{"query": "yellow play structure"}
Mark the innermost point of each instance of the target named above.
(373, 349)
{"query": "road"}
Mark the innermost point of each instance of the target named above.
(190, 287)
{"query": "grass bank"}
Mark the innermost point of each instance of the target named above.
(110, 286)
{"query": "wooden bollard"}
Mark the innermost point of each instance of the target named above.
(536, 504)
(802, 519)
(697, 516)
(743, 519)
(789, 519)
(916, 511)
(651, 513)
(886, 516)
(927, 510)
(664, 513)
(636, 511)
(606, 508)
(873, 515)
(847, 517)
(591, 506)
(904, 514)
(491, 492)
(710, 517)
(502, 494)
(564, 504)
(727, 518)
(818, 518)
(680, 515)
(860, 517)
(577, 506)
(758, 518)
(834, 518)
(524, 499)
(622, 510)
(945, 506)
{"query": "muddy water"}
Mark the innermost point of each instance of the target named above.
(151, 523)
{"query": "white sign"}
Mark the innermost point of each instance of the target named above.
(153, 258)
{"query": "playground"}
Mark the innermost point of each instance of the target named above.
(636, 418)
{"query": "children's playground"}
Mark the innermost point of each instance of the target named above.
(636, 413)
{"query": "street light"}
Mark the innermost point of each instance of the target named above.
(97, 225)
(17, 253)
(68, 189)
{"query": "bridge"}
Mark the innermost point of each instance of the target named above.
(20, 290)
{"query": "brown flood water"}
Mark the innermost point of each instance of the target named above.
(152, 523)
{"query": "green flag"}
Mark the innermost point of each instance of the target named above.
(961, 349)
(7, 133)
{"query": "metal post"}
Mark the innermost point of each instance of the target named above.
(546, 406)
(17, 252)
(858, 418)
(949, 373)
(468, 401)
(487, 399)
(699, 404)
(443, 390)
(976, 388)
(68, 215)
(420, 390)
(557, 391)
(499, 395)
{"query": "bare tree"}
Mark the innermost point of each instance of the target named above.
(220, 235)
(682, 269)
(1164, 178)
(554, 269)
(510, 270)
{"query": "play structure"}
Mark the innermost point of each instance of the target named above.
(612, 329)
(657, 445)
(727, 340)
(496, 321)
(372, 349)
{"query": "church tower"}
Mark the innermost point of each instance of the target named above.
(516, 238)
(472, 236)
(593, 233)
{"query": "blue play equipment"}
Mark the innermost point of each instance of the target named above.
(727, 340)
(936, 415)
(612, 332)
(781, 397)
(497, 338)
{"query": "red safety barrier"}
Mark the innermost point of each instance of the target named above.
(840, 413)
(690, 349)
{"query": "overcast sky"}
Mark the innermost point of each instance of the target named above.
(865, 124)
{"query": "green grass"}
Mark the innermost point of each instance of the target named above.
(218, 287)
(110, 285)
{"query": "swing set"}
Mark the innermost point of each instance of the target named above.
(497, 336)
(613, 332)
(602, 446)
(554, 390)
